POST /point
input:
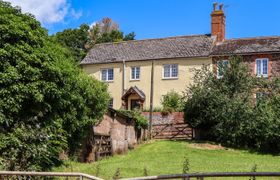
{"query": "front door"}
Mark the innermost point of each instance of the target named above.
(134, 104)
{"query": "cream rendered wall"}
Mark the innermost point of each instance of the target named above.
(114, 87)
(185, 73)
(145, 79)
(161, 86)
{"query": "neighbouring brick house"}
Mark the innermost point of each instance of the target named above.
(261, 53)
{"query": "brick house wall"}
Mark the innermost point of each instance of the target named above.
(273, 60)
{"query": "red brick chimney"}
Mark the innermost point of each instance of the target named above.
(218, 22)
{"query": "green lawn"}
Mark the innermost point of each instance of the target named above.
(166, 157)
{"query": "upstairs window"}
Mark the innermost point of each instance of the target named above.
(107, 74)
(170, 71)
(135, 73)
(262, 67)
(221, 68)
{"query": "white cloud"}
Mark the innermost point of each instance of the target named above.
(76, 14)
(47, 11)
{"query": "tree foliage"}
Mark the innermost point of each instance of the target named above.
(172, 101)
(46, 103)
(75, 40)
(81, 39)
(140, 120)
(107, 30)
(227, 110)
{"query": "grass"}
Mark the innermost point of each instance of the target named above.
(167, 157)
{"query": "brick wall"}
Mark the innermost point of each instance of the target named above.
(121, 131)
(158, 118)
(273, 66)
(115, 134)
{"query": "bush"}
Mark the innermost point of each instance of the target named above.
(224, 108)
(140, 120)
(172, 101)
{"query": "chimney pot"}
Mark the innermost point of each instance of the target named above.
(221, 7)
(218, 22)
(214, 6)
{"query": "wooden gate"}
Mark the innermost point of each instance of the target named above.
(172, 131)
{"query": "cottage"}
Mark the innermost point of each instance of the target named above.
(140, 72)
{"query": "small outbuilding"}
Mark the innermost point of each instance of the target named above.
(115, 134)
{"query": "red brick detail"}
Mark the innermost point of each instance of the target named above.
(273, 63)
(218, 24)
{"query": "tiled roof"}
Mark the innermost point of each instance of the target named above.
(247, 46)
(161, 48)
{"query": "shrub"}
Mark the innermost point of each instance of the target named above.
(172, 101)
(140, 120)
(224, 108)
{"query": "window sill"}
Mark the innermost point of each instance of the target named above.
(131, 80)
(108, 81)
(170, 78)
(262, 76)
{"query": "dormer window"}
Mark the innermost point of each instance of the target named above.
(262, 67)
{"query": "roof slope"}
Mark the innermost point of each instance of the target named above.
(161, 48)
(247, 46)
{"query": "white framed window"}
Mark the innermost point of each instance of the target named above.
(222, 65)
(262, 67)
(170, 71)
(107, 74)
(135, 73)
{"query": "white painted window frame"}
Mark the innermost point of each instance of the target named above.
(107, 74)
(256, 67)
(170, 71)
(218, 74)
(134, 73)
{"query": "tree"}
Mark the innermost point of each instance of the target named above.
(172, 101)
(107, 30)
(225, 108)
(47, 104)
(75, 40)
(81, 39)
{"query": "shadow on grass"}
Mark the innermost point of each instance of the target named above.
(227, 147)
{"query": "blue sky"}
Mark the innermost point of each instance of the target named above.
(162, 18)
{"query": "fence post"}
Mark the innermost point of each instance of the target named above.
(81, 177)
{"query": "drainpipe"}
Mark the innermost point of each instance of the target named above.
(123, 84)
(123, 78)
(151, 101)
